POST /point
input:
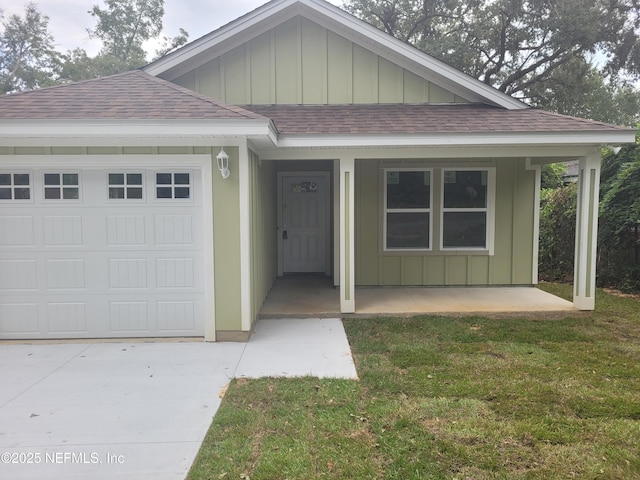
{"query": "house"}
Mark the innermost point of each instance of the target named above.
(166, 201)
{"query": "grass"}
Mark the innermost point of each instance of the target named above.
(448, 398)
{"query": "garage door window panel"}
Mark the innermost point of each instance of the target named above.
(125, 186)
(173, 186)
(61, 186)
(15, 186)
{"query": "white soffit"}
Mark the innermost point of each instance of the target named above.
(270, 15)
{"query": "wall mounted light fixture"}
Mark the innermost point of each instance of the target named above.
(223, 163)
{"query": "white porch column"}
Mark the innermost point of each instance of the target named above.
(347, 234)
(584, 270)
(245, 236)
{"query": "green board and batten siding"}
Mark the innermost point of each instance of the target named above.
(511, 263)
(264, 265)
(300, 62)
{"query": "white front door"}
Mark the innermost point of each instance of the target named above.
(303, 222)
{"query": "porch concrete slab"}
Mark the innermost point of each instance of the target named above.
(301, 296)
(413, 300)
(319, 346)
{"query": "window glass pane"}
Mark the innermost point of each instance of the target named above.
(163, 179)
(22, 194)
(5, 194)
(407, 230)
(164, 192)
(116, 179)
(408, 189)
(70, 179)
(21, 179)
(116, 192)
(5, 179)
(182, 192)
(465, 189)
(70, 193)
(134, 179)
(181, 178)
(52, 179)
(464, 229)
(51, 193)
(135, 192)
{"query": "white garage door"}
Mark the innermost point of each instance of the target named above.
(95, 253)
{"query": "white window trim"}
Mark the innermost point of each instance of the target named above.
(13, 186)
(126, 185)
(172, 185)
(385, 210)
(489, 210)
(61, 186)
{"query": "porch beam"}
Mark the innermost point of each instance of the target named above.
(347, 235)
(584, 273)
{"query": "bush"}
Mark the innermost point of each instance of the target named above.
(557, 233)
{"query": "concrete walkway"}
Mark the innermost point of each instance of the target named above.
(137, 410)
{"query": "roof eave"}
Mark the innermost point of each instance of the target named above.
(134, 132)
(480, 139)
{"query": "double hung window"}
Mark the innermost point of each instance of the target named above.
(465, 209)
(407, 210)
(461, 214)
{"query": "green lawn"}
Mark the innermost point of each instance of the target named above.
(448, 398)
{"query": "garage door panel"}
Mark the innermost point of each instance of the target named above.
(95, 267)
(18, 274)
(16, 231)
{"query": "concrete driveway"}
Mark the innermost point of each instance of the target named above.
(139, 410)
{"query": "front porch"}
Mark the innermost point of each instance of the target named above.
(315, 296)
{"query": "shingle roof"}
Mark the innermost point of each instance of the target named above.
(130, 95)
(418, 119)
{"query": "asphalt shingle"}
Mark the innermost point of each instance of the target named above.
(418, 119)
(126, 96)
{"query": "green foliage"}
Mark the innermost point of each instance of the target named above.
(529, 49)
(557, 233)
(552, 175)
(619, 228)
(28, 59)
(578, 89)
(124, 25)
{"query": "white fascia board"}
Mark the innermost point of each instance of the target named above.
(477, 139)
(161, 132)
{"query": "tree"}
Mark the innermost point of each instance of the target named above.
(515, 45)
(619, 228)
(28, 59)
(170, 44)
(123, 27)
